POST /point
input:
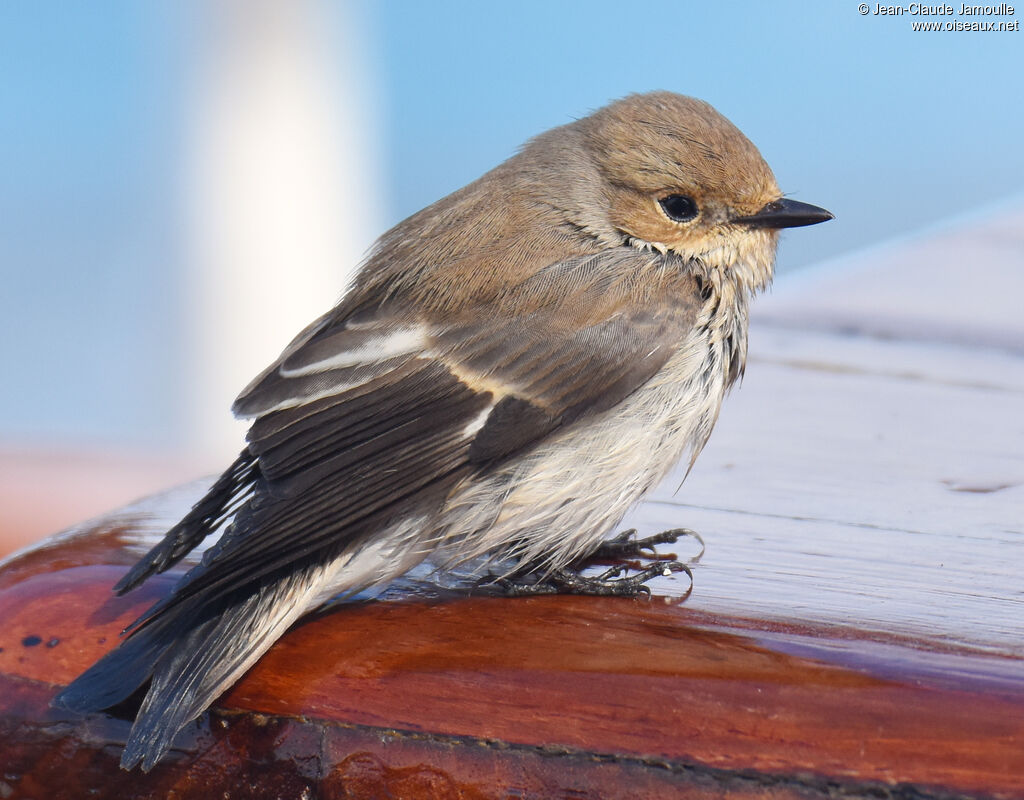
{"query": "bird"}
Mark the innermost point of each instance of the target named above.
(511, 370)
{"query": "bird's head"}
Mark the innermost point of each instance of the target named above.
(678, 176)
(657, 171)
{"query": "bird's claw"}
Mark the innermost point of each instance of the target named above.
(628, 554)
(624, 546)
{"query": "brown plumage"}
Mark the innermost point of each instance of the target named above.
(513, 368)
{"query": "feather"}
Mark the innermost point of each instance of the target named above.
(342, 450)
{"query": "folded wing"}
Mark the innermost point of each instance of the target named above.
(383, 410)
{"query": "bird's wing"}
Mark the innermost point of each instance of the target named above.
(371, 415)
(366, 416)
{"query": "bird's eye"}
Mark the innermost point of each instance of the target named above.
(679, 207)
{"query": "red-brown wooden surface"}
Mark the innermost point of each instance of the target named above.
(475, 696)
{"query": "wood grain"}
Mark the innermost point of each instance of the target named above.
(668, 694)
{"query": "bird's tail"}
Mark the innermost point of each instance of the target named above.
(230, 491)
(212, 648)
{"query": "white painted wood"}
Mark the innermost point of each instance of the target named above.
(960, 282)
(871, 480)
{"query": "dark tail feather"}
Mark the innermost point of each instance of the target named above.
(212, 648)
(119, 674)
(225, 496)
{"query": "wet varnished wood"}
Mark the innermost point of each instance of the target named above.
(621, 693)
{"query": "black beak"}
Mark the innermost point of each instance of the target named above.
(785, 214)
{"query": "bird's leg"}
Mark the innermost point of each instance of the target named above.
(625, 555)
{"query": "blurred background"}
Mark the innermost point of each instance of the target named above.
(184, 184)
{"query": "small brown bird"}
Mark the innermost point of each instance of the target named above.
(513, 368)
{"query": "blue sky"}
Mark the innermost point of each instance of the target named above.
(890, 129)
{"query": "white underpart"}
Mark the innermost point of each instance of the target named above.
(295, 600)
(568, 494)
(386, 555)
(397, 342)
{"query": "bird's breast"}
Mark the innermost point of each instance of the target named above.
(559, 500)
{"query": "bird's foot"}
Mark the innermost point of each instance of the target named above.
(632, 563)
(624, 547)
(616, 581)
